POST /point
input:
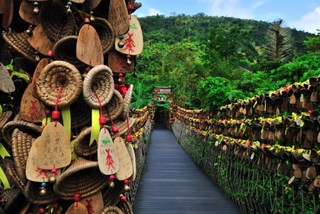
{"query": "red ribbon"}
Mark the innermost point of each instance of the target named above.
(121, 88)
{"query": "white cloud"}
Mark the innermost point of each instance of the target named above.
(275, 15)
(151, 12)
(228, 8)
(308, 22)
(257, 4)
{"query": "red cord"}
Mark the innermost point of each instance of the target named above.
(128, 125)
(57, 101)
(111, 120)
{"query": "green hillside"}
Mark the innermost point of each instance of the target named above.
(176, 28)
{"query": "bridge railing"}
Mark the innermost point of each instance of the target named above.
(262, 152)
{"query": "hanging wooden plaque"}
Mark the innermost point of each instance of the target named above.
(6, 83)
(78, 1)
(33, 172)
(3, 6)
(118, 62)
(107, 155)
(93, 203)
(133, 40)
(40, 41)
(31, 109)
(133, 160)
(77, 208)
(26, 13)
(43, 63)
(8, 15)
(125, 165)
(54, 148)
(89, 49)
(317, 181)
(118, 16)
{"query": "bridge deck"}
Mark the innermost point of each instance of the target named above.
(173, 184)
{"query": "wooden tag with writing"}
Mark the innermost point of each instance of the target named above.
(43, 63)
(93, 203)
(40, 41)
(77, 208)
(118, 16)
(293, 99)
(3, 6)
(311, 172)
(6, 83)
(78, 1)
(317, 181)
(54, 148)
(297, 173)
(118, 62)
(107, 155)
(31, 109)
(89, 49)
(33, 172)
(125, 165)
(8, 15)
(133, 40)
(26, 13)
(133, 160)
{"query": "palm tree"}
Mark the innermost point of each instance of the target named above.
(280, 40)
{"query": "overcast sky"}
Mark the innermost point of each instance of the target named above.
(299, 14)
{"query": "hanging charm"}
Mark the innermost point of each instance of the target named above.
(35, 8)
(125, 165)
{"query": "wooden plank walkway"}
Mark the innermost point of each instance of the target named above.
(173, 184)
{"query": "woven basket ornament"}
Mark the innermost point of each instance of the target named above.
(81, 145)
(52, 77)
(127, 101)
(100, 77)
(82, 176)
(115, 106)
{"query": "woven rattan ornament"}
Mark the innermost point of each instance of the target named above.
(33, 172)
(40, 41)
(54, 148)
(26, 12)
(107, 155)
(81, 147)
(52, 77)
(133, 40)
(89, 49)
(100, 77)
(31, 109)
(65, 50)
(127, 101)
(19, 42)
(6, 83)
(43, 63)
(118, 16)
(93, 203)
(125, 164)
(8, 15)
(111, 210)
(115, 106)
(4, 118)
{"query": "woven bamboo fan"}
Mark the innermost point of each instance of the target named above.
(100, 77)
(21, 145)
(51, 79)
(105, 32)
(127, 101)
(4, 118)
(19, 42)
(111, 210)
(80, 114)
(81, 145)
(31, 192)
(83, 176)
(55, 20)
(115, 106)
(23, 126)
(122, 126)
(65, 50)
(10, 169)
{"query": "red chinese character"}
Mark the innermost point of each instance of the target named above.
(89, 206)
(33, 110)
(120, 63)
(42, 171)
(129, 43)
(110, 162)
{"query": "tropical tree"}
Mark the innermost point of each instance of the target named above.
(280, 42)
